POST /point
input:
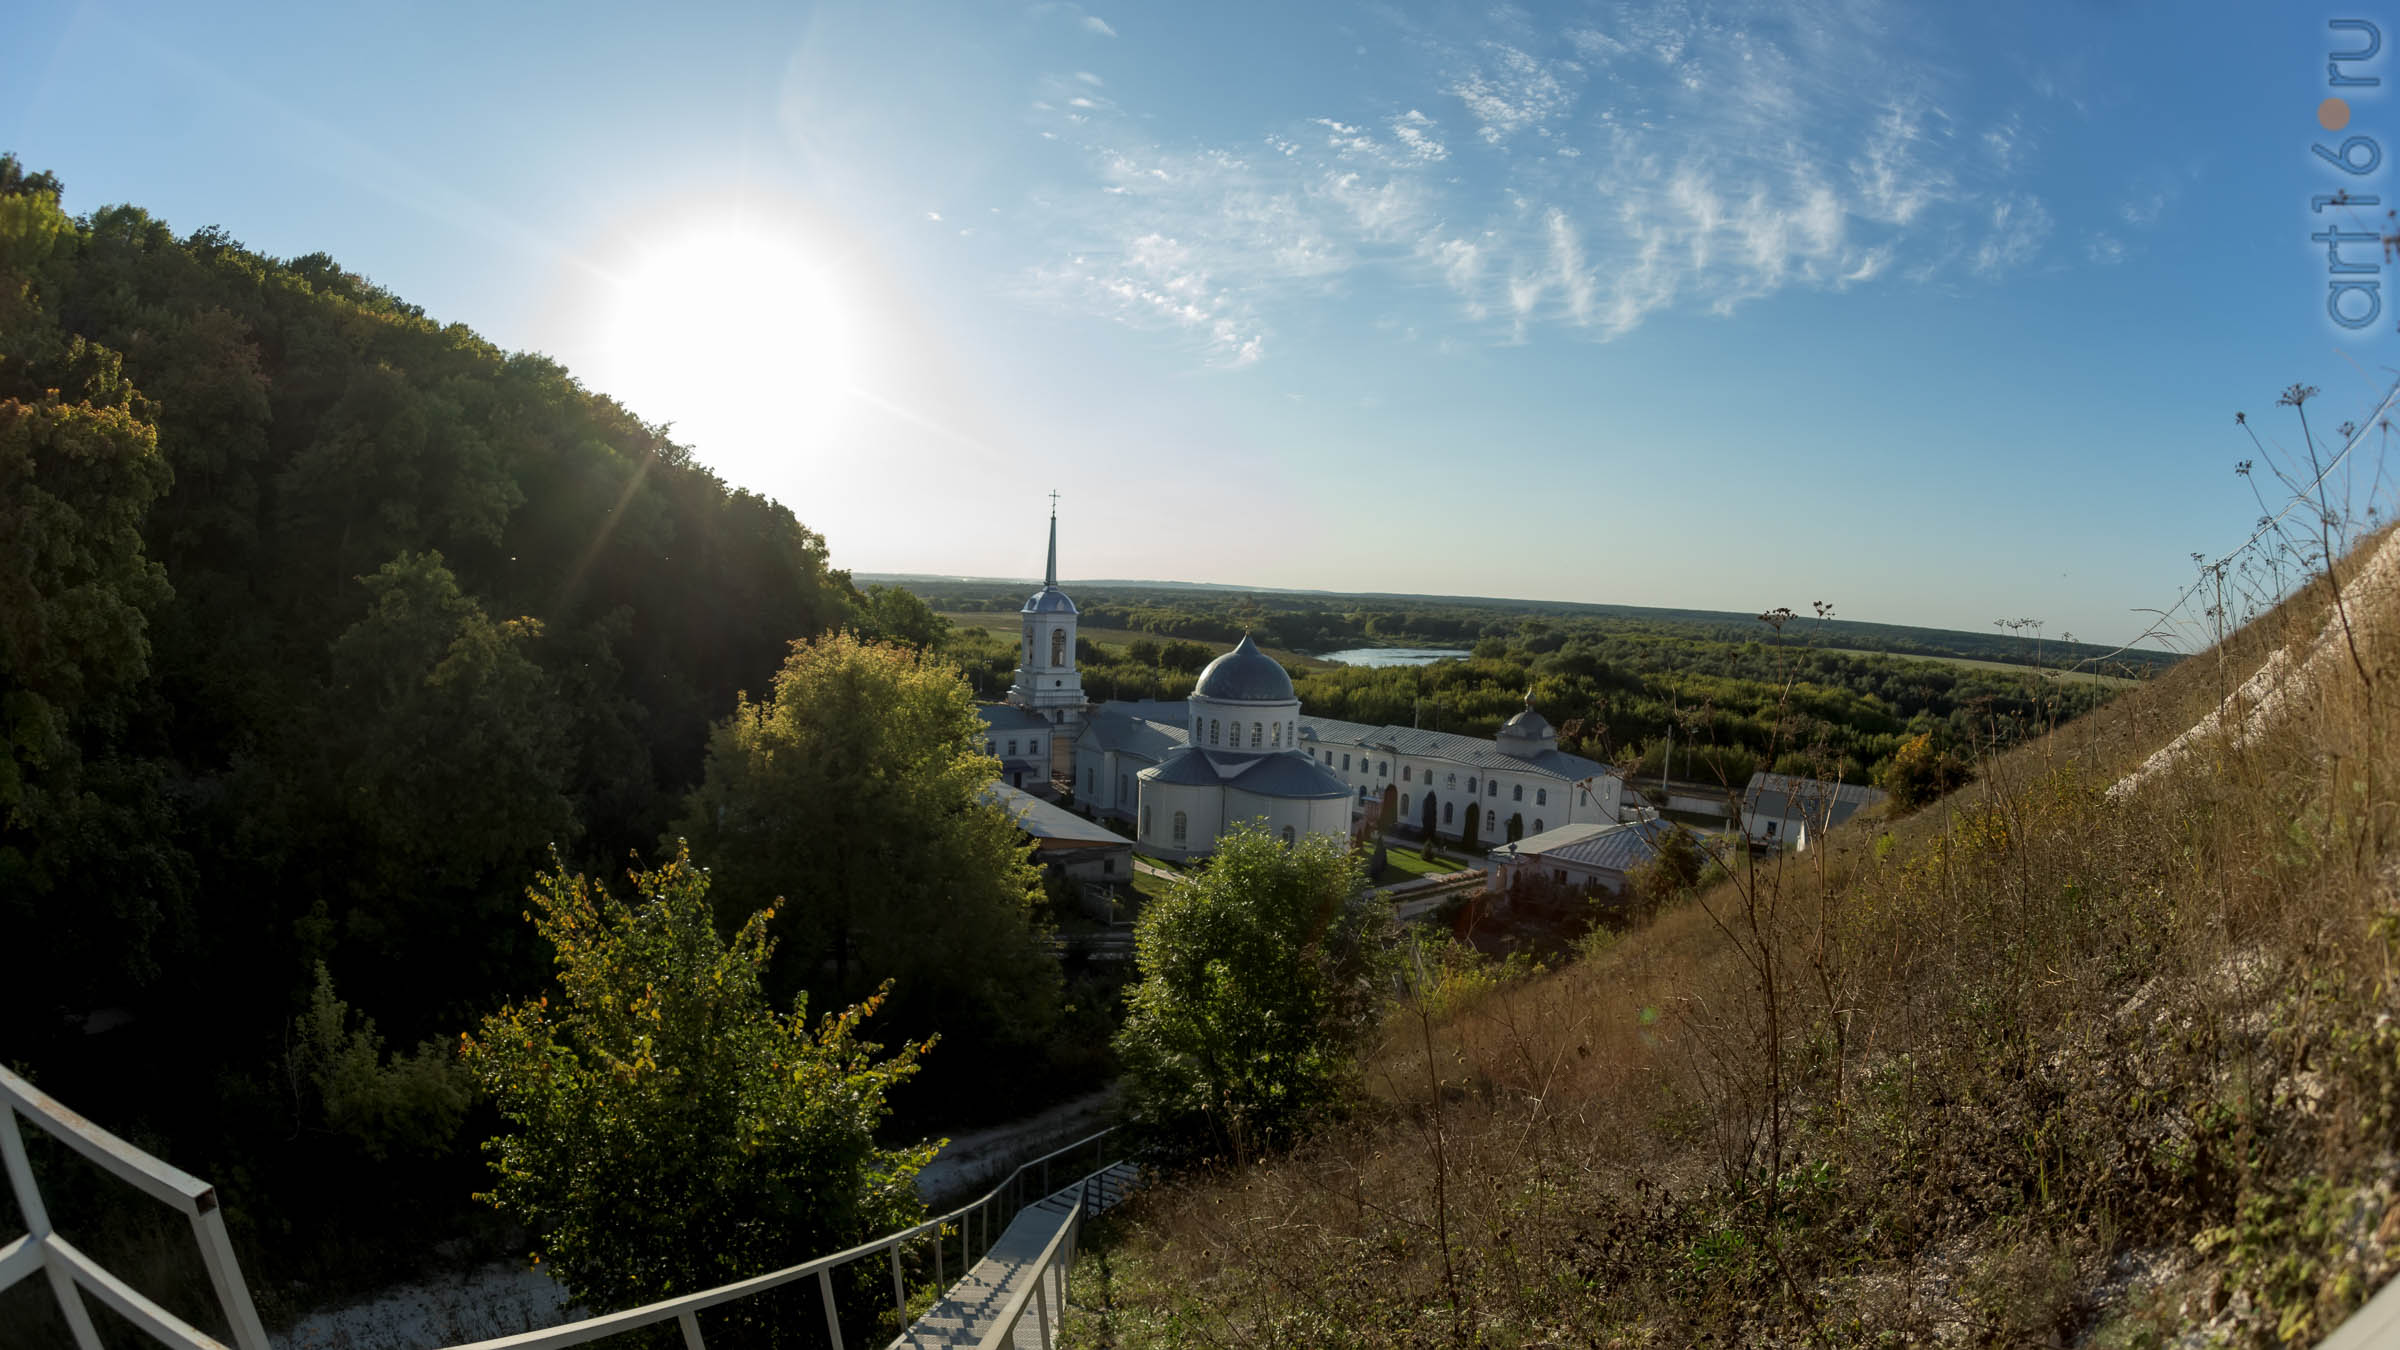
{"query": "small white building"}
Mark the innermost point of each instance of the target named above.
(1021, 740)
(1576, 856)
(1780, 809)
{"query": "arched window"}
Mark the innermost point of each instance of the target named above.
(1145, 822)
(1491, 820)
(1453, 781)
(1212, 731)
(1494, 785)
(1520, 792)
(1362, 796)
(1383, 768)
(1537, 824)
(1275, 737)
(1258, 734)
(1404, 803)
(1541, 796)
(1448, 808)
(1405, 772)
(1470, 787)
(1182, 828)
(1287, 836)
(1058, 646)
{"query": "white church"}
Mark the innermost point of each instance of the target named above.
(1240, 750)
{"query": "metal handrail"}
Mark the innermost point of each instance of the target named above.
(1057, 1255)
(71, 1273)
(682, 1309)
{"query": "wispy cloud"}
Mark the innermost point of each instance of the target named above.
(1658, 154)
(1096, 24)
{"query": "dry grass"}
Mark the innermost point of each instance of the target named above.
(2032, 1067)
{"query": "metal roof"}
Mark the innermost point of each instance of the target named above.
(1048, 600)
(1281, 773)
(1010, 717)
(1245, 675)
(1043, 820)
(1793, 798)
(1611, 848)
(1150, 738)
(1466, 750)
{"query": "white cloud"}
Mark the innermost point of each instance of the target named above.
(1513, 91)
(2104, 248)
(1096, 24)
(1718, 162)
(2020, 223)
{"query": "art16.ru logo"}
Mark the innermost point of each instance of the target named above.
(2353, 288)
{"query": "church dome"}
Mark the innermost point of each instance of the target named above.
(1049, 600)
(1528, 725)
(1245, 675)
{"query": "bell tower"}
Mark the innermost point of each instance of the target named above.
(1047, 681)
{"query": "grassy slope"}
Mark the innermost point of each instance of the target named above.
(2030, 1067)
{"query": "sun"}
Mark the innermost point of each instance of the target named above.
(734, 332)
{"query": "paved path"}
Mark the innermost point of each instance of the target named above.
(971, 1309)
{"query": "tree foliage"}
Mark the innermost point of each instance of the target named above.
(1258, 979)
(856, 793)
(669, 1130)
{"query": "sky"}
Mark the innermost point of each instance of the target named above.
(1941, 314)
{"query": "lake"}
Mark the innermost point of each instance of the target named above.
(1391, 656)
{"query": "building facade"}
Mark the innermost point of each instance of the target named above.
(1515, 784)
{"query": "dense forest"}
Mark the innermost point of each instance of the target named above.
(321, 624)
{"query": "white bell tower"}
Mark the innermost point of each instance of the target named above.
(1047, 681)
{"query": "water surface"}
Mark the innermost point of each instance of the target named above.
(1392, 656)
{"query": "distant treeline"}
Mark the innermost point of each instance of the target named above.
(1310, 622)
(1622, 697)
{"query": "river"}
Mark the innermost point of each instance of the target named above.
(1392, 656)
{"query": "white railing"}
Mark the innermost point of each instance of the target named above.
(72, 1274)
(1034, 1295)
(979, 1223)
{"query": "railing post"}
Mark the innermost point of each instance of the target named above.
(1041, 1305)
(37, 1231)
(940, 1279)
(833, 1315)
(691, 1331)
(899, 1290)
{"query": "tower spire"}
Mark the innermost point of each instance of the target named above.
(1050, 576)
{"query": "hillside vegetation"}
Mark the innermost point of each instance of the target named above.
(2037, 1065)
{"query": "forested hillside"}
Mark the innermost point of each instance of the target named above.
(320, 621)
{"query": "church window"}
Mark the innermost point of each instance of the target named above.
(1275, 737)
(1470, 787)
(1491, 820)
(1448, 809)
(1033, 747)
(1012, 747)
(1287, 836)
(1258, 734)
(991, 747)
(1345, 764)
(1541, 796)
(1494, 785)
(1182, 827)
(1212, 731)
(1058, 646)
(1405, 771)
(1362, 796)
(1537, 827)
(1383, 768)
(1520, 792)
(1404, 803)
(1453, 782)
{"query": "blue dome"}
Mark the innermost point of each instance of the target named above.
(1245, 675)
(1528, 724)
(1049, 600)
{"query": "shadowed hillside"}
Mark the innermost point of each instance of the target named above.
(2040, 1064)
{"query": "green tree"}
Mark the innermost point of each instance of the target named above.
(857, 792)
(1259, 977)
(669, 1130)
(897, 614)
(1918, 773)
(401, 1103)
(1674, 866)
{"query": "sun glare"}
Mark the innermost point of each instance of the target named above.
(735, 334)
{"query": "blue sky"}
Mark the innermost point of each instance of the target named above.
(1940, 313)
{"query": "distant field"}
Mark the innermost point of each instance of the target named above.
(1009, 625)
(2079, 676)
